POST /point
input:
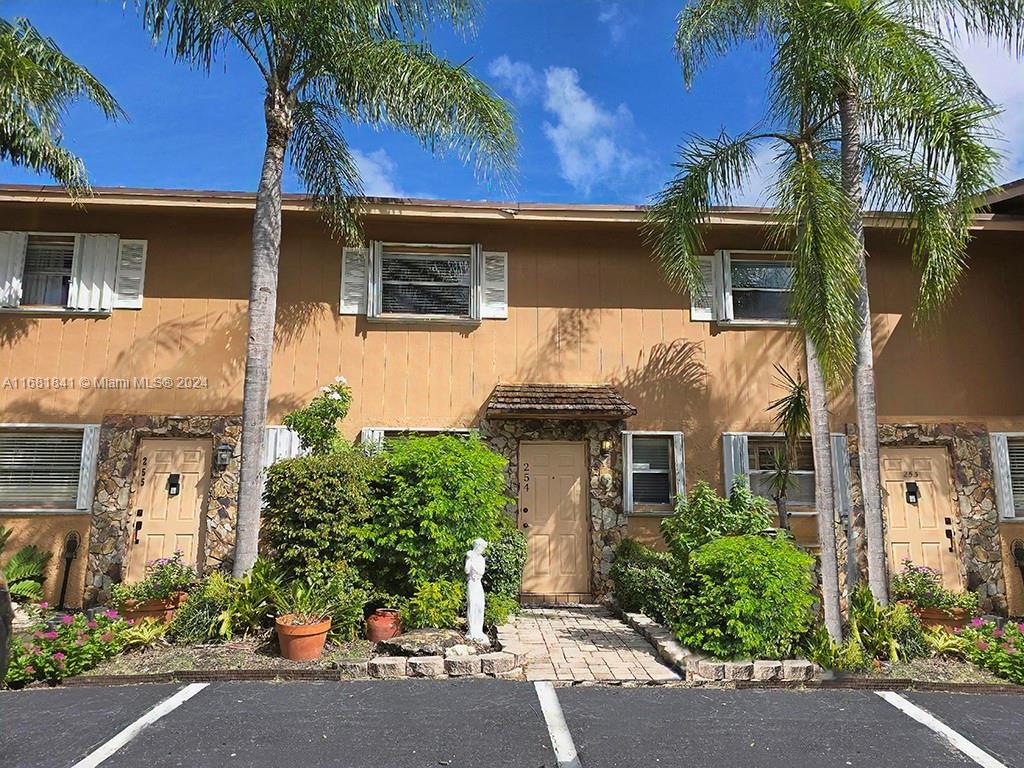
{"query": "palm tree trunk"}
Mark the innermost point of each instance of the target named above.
(824, 493)
(266, 251)
(864, 366)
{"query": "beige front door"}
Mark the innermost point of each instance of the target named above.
(553, 514)
(171, 486)
(919, 511)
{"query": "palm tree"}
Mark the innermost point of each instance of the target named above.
(792, 417)
(37, 83)
(325, 62)
(913, 133)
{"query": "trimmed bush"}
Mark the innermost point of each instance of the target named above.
(746, 596)
(436, 604)
(702, 516)
(316, 507)
(317, 423)
(645, 581)
(434, 496)
(506, 559)
(499, 608)
(197, 620)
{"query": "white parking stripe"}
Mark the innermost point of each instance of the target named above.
(561, 739)
(104, 751)
(927, 719)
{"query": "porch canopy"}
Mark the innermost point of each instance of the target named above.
(558, 401)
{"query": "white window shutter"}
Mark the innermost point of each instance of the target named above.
(1001, 475)
(355, 280)
(679, 455)
(87, 469)
(735, 461)
(702, 306)
(131, 274)
(372, 436)
(280, 443)
(627, 472)
(841, 475)
(723, 286)
(494, 285)
(12, 264)
(93, 273)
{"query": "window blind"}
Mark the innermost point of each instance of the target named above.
(40, 469)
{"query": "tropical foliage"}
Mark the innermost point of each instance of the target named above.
(316, 424)
(37, 85)
(164, 577)
(24, 571)
(923, 587)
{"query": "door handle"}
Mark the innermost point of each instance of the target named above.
(949, 535)
(526, 525)
(138, 527)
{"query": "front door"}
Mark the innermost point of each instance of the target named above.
(553, 514)
(919, 511)
(171, 487)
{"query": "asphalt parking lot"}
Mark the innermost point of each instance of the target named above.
(415, 724)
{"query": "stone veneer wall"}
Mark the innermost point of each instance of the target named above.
(973, 494)
(607, 519)
(111, 515)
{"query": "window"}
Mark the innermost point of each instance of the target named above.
(40, 469)
(762, 453)
(1015, 449)
(760, 289)
(381, 435)
(425, 280)
(744, 287)
(653, 470)
(48, 263)
(411, 281)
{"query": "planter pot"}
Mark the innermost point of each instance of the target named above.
(956, 618)
(383, 624)
(301, 642)
(159, 609)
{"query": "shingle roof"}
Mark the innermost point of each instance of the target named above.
(558, 401)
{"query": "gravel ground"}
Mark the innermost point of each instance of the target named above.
(238, 654)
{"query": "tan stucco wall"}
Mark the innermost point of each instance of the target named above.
(47, 532)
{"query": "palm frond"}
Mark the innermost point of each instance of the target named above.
(791, 412)
(710, 28)
(26, 571)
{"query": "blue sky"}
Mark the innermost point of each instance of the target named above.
(599, 98)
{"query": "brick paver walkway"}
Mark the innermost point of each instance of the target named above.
(582, 643)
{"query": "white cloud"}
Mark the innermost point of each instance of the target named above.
(377, 171)
(518, 77)
(587, 138)
(756, 191)
(1002, 78)
(617, 20)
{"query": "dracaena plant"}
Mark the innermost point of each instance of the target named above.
(327, 64)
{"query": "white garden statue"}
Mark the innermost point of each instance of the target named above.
(475, 567)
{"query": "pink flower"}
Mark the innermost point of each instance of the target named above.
(59, 656)
(1010, 649)
(43, 604)
(131, 622)
(956, 630)
(1020, 628)
(110, 614)
(997, 632)
(977, 621)
(982, 645)
(67, 618)
(80, 641)
(91, 624)
(29, 669)
(106, 637)
(51, 635)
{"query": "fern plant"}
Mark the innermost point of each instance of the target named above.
(25, 572)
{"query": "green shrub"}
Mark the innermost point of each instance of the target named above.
(499, 608)
(249, 602)
(436, 604)
(434, 497)
(165, 576)
(506, 558)
(702, 516)
(746, 596)
(347, 594)
(645, 581)
(316, 507)
(317, 423)
(922, 586)
(70, 646)
(198, 619)
(848, 656)
(25, 570)
(887, 633)
(1000, 650)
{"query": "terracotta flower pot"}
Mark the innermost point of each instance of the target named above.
(301, 642)
(955, 618)
(159, 609)
(383, 624)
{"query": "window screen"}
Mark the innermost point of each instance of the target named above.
(47, 276)
(428, 280)
(762, 452)
(1016, 450)
(652, 470)
(40, 469)
(760, 289)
